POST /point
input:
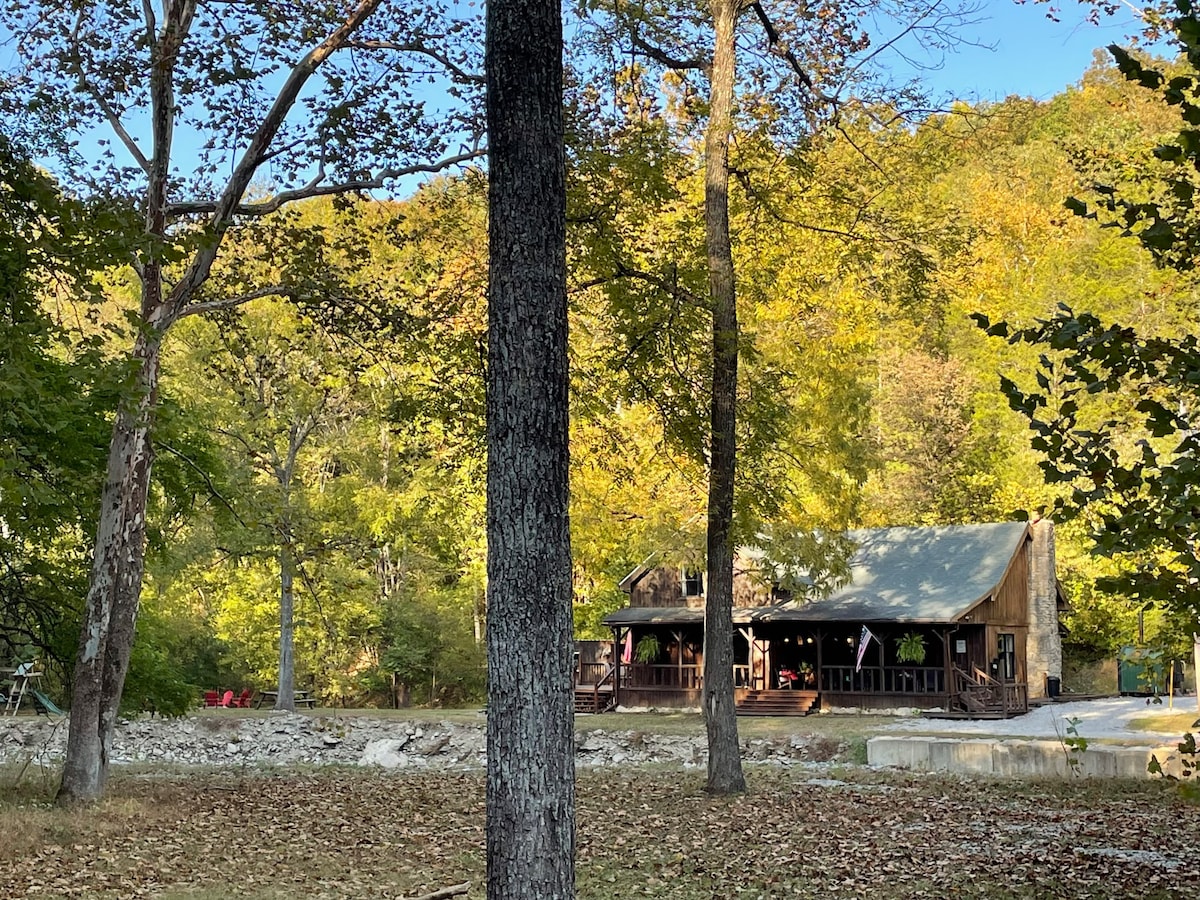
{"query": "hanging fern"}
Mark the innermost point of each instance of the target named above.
(911, 648)
(646, 650)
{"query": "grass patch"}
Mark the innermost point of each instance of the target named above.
(1168, 724)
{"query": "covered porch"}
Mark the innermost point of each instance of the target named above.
(962, 669)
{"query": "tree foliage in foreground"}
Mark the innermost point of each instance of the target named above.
(55, 395)
(1134, 474)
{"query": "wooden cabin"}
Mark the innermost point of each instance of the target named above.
(961, 618)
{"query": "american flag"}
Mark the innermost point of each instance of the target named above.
(863, 640)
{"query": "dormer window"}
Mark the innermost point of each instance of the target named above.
(693, 583)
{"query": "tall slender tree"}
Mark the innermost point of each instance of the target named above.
(530, 730)
(235, 78)
(823, 62)
(720, 717)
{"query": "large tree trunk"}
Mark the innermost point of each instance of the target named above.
(530, 721)
(720, 718)
(110, 609)
(286, 698)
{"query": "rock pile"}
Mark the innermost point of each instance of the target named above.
(293, 739)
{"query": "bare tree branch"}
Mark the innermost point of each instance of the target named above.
(663, 58)
(110, 113)
(777, 46)
(452, 891)
(420, 49)
(259, 146)
(911, 28)
(315, 189)
(274, 290)
(206, 478)
(861, 152)
(671, 289)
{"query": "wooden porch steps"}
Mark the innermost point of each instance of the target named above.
(590, 701)
(778, 703)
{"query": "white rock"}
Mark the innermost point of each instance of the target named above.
(385, 753)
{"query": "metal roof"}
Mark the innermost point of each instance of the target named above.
(919, 575)
(657, 615)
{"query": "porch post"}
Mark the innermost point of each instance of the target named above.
(617, 648)
(947, 666)
(678, 635)
(880, 686)
(820, 675)
(748, 634)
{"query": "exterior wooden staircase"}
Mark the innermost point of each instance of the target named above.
(595, 698)
(589, 700)
(977, 695)
(778, 703)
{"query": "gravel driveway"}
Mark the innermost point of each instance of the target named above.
(1107, 718)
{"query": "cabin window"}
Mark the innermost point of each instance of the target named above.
(1007, 652)
(693, 583)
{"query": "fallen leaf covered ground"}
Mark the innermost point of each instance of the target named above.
(649, 832)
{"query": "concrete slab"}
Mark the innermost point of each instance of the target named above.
(1015, 758)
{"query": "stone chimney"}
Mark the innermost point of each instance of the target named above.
(1043, 648)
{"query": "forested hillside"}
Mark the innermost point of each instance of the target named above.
(320, 463)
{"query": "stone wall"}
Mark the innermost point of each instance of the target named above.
(1043, 650)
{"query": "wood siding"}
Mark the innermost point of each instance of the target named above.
(662, 588)
(1009, 604)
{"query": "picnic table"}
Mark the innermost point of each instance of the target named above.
(303, 698)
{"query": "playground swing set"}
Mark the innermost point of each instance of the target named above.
(22, 686)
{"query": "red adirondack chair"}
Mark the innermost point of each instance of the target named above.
(243, 700)
(212, 698)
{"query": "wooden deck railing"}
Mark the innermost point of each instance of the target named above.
(644, 676)
(590, 673)
(978, 692)
(885, 680)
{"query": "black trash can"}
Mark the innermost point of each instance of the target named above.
(1053, 686)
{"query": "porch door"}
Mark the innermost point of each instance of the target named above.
(1006, 654)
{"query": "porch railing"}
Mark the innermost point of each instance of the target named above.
(591, 673)
(660, 677)
(979, 692)
(885, 680)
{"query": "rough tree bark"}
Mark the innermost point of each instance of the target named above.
(720, 718)
(530, 727)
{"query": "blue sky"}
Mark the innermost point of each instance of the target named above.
(1025, 53)
(1012, 48)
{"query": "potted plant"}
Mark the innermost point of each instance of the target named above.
(911, 648)
(807, 678)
